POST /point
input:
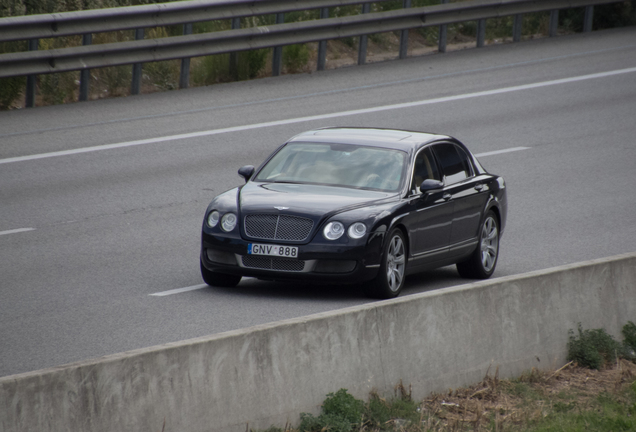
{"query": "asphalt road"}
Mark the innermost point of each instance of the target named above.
(88, 234)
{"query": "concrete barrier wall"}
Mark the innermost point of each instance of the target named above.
(267, 375)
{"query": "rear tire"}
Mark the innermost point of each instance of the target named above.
(219, 279)
(390, 280)
(481, 264)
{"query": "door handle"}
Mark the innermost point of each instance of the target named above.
(479, 187)
(447, 196)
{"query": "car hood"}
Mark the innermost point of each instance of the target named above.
(303, 199)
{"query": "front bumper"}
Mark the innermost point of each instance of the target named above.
(336, 262)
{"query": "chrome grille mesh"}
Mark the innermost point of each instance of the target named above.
(278, 227)
(266, 263)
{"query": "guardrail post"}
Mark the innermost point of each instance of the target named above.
(85, 74)
(481, 33)
(404, 36)
(589, 19)
(554, 22)
(516, 28)
(277, 56)
(236, 24)
(184, 76)
(135, 87)
(322, 45)
(31, 79)
(443, 34)
(362, 42)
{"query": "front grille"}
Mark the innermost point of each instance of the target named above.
(266, 263)
(278, 227)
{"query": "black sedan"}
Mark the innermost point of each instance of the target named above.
(356, 205)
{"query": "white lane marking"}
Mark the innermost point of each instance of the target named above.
(318, 117)
(179, 290)
(186, 289)
(15, 231)
(496, 152)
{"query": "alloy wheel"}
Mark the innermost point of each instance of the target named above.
(395, 261)
(489, 244)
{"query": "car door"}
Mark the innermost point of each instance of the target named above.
(468, 194)
(430, 214)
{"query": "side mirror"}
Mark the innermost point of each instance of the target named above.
(430, 185)
(246, 172)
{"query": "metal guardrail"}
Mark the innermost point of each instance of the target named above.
(136, 52)
(153, 15)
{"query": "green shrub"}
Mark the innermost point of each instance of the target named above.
(216, 68)
(324, 422)
(340, 11)
(614, 15)
(388, 5)
(58, 88)
(605, 16)
(340, 412)
(381, 39)
(344, 405)
(593, 348)
(209, 69)
(163, 75)
(430, 34)
(30, 7)
(115, 80)
(497, 28)
(306, 15)
(379, 411)
(536, 23)
(295, 57)
(251, 63)
(11, 88)
(629, 333)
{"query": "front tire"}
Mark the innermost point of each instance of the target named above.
(482, 262)
(219, 279)
(390, 280)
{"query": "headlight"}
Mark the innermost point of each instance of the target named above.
(333, 231)
(357, 230)
(228, 222)
(213, 219)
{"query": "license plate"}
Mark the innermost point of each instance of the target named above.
(272, 250)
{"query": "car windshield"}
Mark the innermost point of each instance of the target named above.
(342, 165)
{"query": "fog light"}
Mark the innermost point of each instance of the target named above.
(221, 257)
(335, 266)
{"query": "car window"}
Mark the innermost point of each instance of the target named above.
(424, 168)
(337, 165)
(454, 162)
(465, 160)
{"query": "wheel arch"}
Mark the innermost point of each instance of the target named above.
(496, 211)
(407, 247)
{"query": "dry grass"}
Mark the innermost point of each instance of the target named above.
(500, 405)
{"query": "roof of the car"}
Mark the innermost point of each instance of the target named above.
(389, 138)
